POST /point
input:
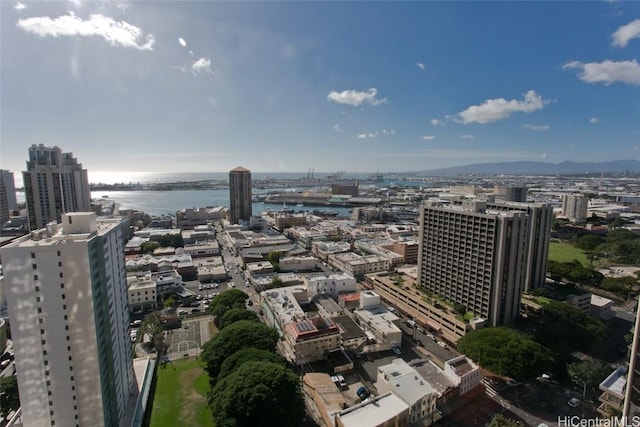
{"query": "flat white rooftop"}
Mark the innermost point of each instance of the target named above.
(375, 412)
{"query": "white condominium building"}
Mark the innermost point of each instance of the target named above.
(67, 299)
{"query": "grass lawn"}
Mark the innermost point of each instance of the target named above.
(181, 395)
(565, 252)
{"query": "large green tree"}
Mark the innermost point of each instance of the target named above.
(590, 372)
(245, 355)
(258, 394)
(9, 398)
(565, 328)
(152, 327)
(238, 335)
(234, 314)
(224, 301)
(507, 352)
(499, 420)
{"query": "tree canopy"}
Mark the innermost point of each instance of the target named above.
(507, 352)
(151, 326)
(238, 335)
(245, 355)
(258, 393)
(565, 328)
(224, 301)
(10, 399)
(234, 314)
(499, 420)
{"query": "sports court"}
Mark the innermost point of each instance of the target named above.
(185, 341)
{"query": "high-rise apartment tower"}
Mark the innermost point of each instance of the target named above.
(240, 194)
(475, 257)
(7, 195)
(67, 300)
(54, 183)
(574, 207)
(538, 235)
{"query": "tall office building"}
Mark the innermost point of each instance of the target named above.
(474, 257)
(54, 183)
(67, 299)
(7, 195)
(240, 194)
(574, 207)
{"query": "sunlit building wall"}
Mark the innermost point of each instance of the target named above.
(67, 299)
(7, 195)
(54, 183)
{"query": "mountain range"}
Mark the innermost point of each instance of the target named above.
(539, 168)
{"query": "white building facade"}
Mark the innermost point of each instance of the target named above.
(67, 297)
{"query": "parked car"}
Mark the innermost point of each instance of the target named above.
(433, 337)
(442, 344)
(397, 351)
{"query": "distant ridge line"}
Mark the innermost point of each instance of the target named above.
(540, 168)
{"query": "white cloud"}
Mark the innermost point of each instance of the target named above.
(117, 33)
(467, 136)
(428, 137)
(537, 127)
(593, 120)
(436, 122)
(607, 72)
(19, 6)
(625, 33)
(420, 65)
(355, 98)
(499, 108)
(191, 53)
(182, 42)
(367, 135)
(336, 128)
(544, 156)
(389, 132)
(201, 66)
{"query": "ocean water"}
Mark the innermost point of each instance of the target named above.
(168, 202)
(158, 203)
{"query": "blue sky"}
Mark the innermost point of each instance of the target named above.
(292, 86)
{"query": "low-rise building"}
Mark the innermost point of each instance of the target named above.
(353, 337)
(462, 372)
(581, 301)
(325, 394)
(298, 263)
(141, 293)
(602, 307)
(613, 391)
(201, 249)
(261, 267)
(406, 383)
(349, 301)
(324, 249)
(327, 307)
(385, 410)
(380, 325)
(358, 265)
(310, 339)
(329, 283)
